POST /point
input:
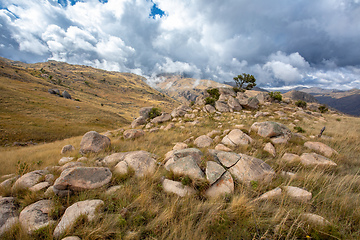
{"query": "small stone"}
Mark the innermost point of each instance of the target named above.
(313, 159)
(113, 189)
(64, 160)
(270, 194)
(177, 188)
(270, 149)
(39, 186)
(298, 194)
(180, 146)
(321, 148)
(67, 148)
(290, 157)
(203, 141)
(133, 133)
(314, 219)
(221, 147)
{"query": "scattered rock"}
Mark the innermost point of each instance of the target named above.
(81, 178)
(65, 160)
(186, 166)
(8, 214)
(173, 156)
(315, 219)
(236, 137)
(164, 117)
(221, 147)
(270, 149)
(213, 133)
(224, 185)
(297, 194)
(8, 182)
(270, 129)
(169, 126)
(29, 179)
(208, 108)
(177, 188)
(86, 208)
(144, 112)
(321, 148)
(222, 106)
(36, 216)
(214, 171)
(138, 122)
(203, 141)
(270, 194)
(71, 165)
(234, 104)
(114, 158)
(113, 189)
(133, 133)
(227, 159)
(66, 95)
(251, 103)
(313, 159)
(93, 142)
(141, 162)
(290, 157)
(54, 91)
(180, 146)
(39, 186)
(180, 111)
(67, 148)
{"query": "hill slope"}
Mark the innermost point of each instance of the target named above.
(105, 100)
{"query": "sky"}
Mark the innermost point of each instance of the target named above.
(283, 43)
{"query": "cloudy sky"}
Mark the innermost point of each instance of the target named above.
(283, 43)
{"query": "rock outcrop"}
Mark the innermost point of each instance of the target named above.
(93, 142)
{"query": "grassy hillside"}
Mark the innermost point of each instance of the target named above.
(102, 100)
(141, 209)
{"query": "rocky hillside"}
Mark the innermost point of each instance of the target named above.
(33, 106)
(244, 167)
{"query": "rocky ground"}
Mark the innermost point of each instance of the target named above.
(250, 150)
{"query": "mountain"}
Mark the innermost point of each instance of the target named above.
(299, 95)
(101, 100)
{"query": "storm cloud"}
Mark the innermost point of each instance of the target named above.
(282, 43)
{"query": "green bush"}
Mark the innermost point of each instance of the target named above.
(323, 109)
(301, 104)
(214, 93)
(299, 129)
(154, 112)
(275, 96)
(210, 100)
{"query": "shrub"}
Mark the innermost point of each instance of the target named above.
(301, 104)
(214, 93)
(299, 129)
(210, 100)
(275, 96)
(323, 109)
(154, 112)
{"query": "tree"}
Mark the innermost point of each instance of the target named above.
(245, 82)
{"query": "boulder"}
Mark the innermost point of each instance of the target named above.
(85, 208)
(93, 142)
(227, 91)
(65, 160)
(224, 185)
(208, 108)
(66, 95)
(133, 133)
(214, 171)
(114, 158)
(81, 178)
(144, 112)
(141, 162)
(180, 146)
(186, 166)
(221, 147)
(29, 179)
(8, 182)
(297, 194)
(203, 141)
(321, 148)
(270, 194)
(313, 159)
(314, 219)
(54, 91)
(222, 106)
(270, 129)
(249, 169)
(213, 133)
(113, 189)
(263, 98)
(290, 157)
(169, 126)
(173, 156)
(270, 149)
(180, 111)
(177, 188)
(234, 104)
(36, 216)
(138, 122)
(164, 117)
(226, 159)
(251, 103)
(236, 137)
(8, 214)
(39, 186)
(71, 165)
(67, 148)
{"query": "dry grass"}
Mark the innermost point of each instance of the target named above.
(153, 214)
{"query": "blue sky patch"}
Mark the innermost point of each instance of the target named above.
(156, 11)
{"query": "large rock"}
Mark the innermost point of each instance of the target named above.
(208, 108)
(227, 159)
(66, 95)
(263, 97)
(234, 104)
(321, 148)
(214, 171)
(133, 133)
(8, 182)
(186, 166)
(8, 214)
(236, 137)
(114, 158)
(93, 142)
(164, 117)
(85, 208)
(249, 169)
(227, 91)
(313, 159)
(290, 157)
(173, 156)
(177, 188)
(36, 216)
(138, 122)
(81, 178)
(297, 194)
(251, 103)
(144, 112)
(203, 141)
(67, 148)
(180, 111)
(29, 179)
(270, 129)
(222, 106)
(141, 162)
(224, 185)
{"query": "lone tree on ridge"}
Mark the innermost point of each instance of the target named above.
(244, 82)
